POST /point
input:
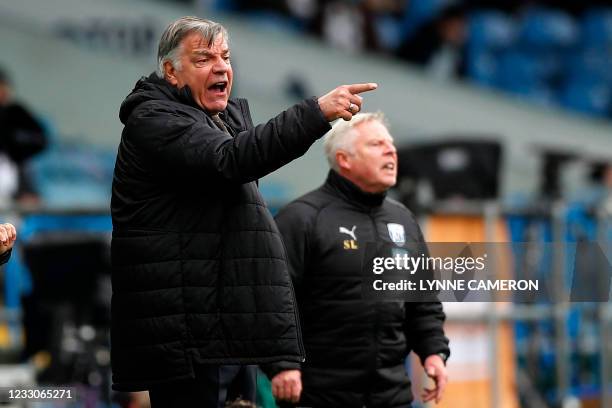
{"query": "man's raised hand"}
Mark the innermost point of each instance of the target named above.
(344, 101)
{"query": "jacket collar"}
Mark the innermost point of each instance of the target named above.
(350, 192)
(182, 95)
(154, 87)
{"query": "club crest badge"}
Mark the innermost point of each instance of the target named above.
(397, 233)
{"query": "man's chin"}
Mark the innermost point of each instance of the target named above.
(390, 182)
(215, 107)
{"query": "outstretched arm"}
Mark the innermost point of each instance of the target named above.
(190, 147)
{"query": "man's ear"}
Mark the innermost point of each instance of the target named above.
(342, 158)
(170, 73)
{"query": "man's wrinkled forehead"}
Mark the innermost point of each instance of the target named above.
(200, 44)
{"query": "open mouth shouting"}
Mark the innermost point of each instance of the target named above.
(218, 87)
(389, 166)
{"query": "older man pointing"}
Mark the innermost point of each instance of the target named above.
(201, 291)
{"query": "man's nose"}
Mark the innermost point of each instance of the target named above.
(221, 66)
(390, 148)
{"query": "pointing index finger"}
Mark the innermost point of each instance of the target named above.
(359, 88)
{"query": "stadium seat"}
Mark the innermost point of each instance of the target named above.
(223, 5)
(491, 30)
(587, 97)
(548, 28)
(418, 13)
(519, 70)
(597, 28)
(590, 65)
(73, 175)
(388, 31)
(482, 67)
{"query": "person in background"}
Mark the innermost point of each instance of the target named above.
(201, 291)
(355, 349)
(21, 137)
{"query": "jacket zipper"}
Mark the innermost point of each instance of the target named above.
(376, 309)
(220, 283)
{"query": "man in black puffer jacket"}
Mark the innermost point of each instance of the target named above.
(200, 285)
(355, 349)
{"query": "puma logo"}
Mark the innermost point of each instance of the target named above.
(351, 232)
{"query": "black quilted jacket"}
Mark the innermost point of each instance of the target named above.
(199, 269)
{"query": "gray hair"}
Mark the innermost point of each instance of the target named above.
(342, 133)
(170, 42)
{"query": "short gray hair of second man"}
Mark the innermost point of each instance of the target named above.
(341, 135)
(170, 43)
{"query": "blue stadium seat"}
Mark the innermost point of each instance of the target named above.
(223, 5)
(548, 28)
(527, 75)
(425, 10)
(420, 12)
(597, 28)
(531, 67)
(74, 176)
(491, 30)
(592, 64)
(482, 67)
(388, 31)
(518, 70)
(587, 97)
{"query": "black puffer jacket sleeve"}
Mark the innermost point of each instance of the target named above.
(425, 323)
(186, 145)
(295, 223)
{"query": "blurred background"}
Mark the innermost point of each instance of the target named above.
(501, 110)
